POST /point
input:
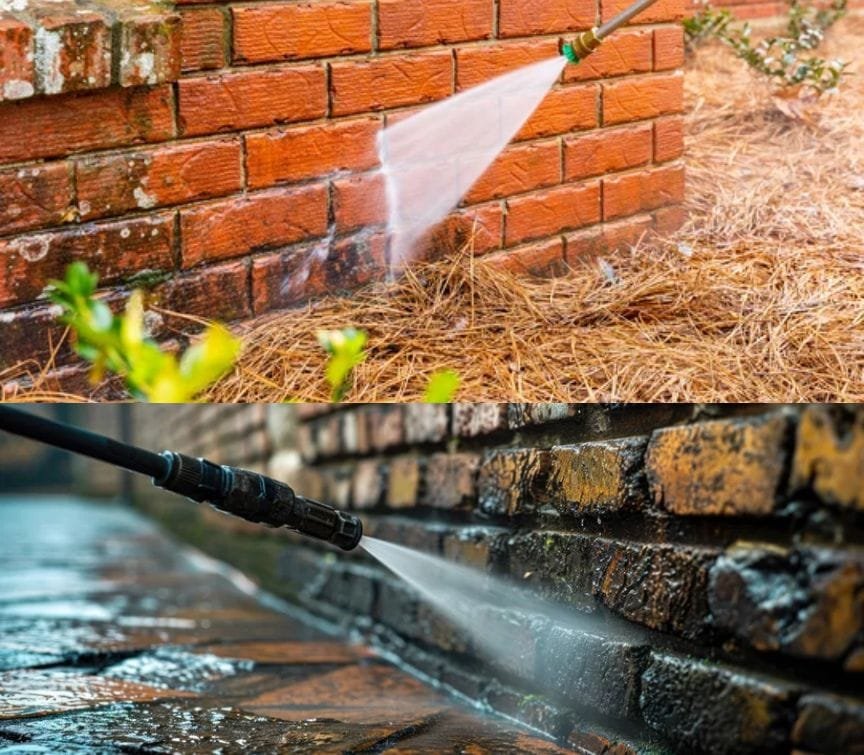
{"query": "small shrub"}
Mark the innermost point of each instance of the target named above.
(346, 349)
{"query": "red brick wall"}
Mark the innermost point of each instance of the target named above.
(717, 550)
(212, 187)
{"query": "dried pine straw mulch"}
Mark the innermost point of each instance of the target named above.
(759, 298)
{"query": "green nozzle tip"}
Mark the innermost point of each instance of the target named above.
(570, 53)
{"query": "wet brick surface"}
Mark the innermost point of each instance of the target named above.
(114, 639)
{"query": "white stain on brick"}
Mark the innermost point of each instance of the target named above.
(32, 249)
(49, 45)
(145, 62)
(144, 200)
(17, 89)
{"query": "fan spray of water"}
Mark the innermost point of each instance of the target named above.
(430, 160)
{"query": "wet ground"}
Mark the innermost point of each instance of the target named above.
(114, 638)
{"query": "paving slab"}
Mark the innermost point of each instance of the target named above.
(114, 638)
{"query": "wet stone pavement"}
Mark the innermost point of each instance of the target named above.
(115, 638)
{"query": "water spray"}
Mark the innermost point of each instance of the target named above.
(241, 492)
(582, 46)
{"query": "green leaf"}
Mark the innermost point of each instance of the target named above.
(346, 350)
(442, 387)
(208, 360)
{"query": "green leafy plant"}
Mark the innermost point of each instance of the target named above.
(442, 387)
(347, 349)
(118, 343)
(705, 24)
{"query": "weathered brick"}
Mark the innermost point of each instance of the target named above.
(246, 99)
(645, 190)
(600, 476)
(829, 723)
(432, 22)
(829, 455)
(518, 169)
(669, 219)
(118, 183)
(806, 601)
(476, 547)
(509, 480)
(240, 225)
(426, 423)
(522, 18)
(715, 708)
(644, 97)
(723, 467)
(73, 50)
(203, 45)
(606, 151)
(552, 211)
(18, 344)
(622, 53)
(470, 420)
(17, 75)
(294, 31)
(311, 151)
(359, 201)
(668, 138)
(116, 250)
(571, 108)
(412, 533)
(477, 228)
(148, 48)
(95, 120)
(34, 197)
(668, 47)
(541, 258)
(392, 81)
(475, 65)
(368, 485)
(403, 482)
(522, 415)
(451, 480)
(388, 426)
(217, 292)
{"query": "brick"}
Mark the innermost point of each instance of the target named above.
(217, 292)
(660, 12)
(641, 98)
(426, 423)
(475, 65)
(394, 81)
(96, 120)
(309, 152)
(623, 53)
(116, 250)
(18, 343)
(723, 467)
(203, 44)
(359, 201)
(669, 219)
(368, 484)
(73, 51)
(807, 602)
(34, 197)
(295, 31)
(295, 275)
(403, 482)
(476, 228)
(572, 108)
(476, 547)
(645, 190)
(174, 174)
(471, 420)
(523, 18)
(607, 151)
(668, 47)
(518, 169)
(149, 48)
(241, 225)
(552, 211)
(508, 480)
(451, 480)
(668, 138)
(602, 476)
(246, 99)
(17, 75)
(525, 415)
(541, 258)
(829, 455)
(715, 708)
(432, 22)
(829, 723)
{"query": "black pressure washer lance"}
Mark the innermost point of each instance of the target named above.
(588, 41)
(249, 495)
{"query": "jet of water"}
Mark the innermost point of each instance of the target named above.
(431, 159)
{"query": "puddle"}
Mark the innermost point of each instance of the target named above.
(173, 668)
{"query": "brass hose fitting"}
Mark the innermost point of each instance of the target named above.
(582, 46)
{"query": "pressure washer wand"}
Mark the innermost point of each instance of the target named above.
(249, 495)
(588, 41)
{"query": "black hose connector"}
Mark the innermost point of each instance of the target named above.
(258, 498)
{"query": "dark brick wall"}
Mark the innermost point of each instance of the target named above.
(713, 554)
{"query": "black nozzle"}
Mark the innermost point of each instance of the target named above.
(257, 498)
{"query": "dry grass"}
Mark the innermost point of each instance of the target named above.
(759, 298)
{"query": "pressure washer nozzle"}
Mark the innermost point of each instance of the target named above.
(257, 498)
(582, 46)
